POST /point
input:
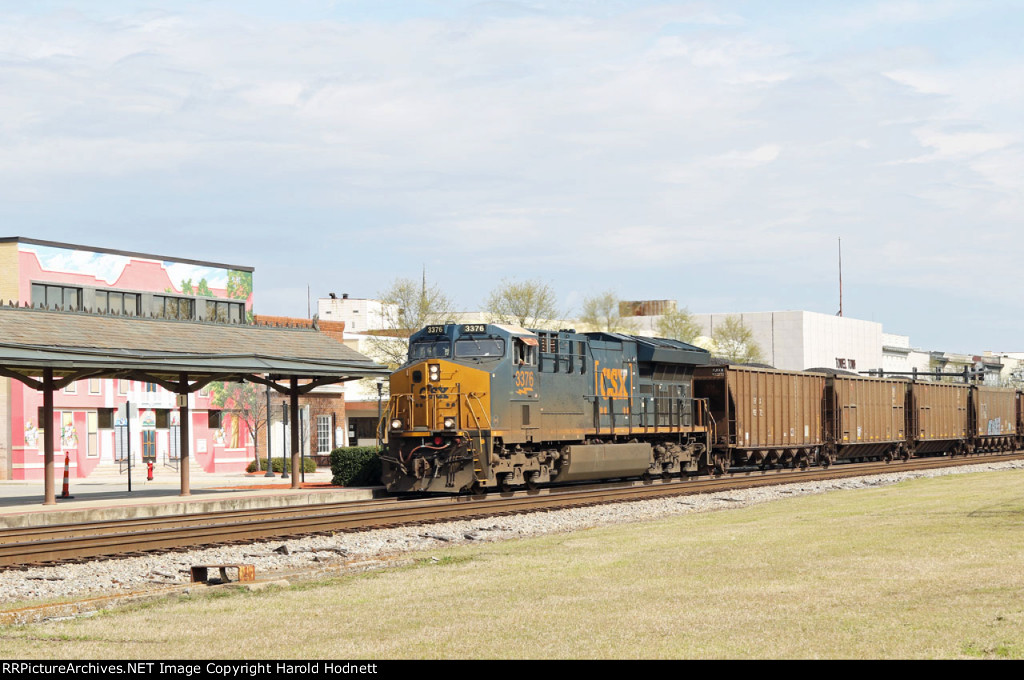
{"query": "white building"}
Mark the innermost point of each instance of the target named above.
(796, 340)
(359, 315)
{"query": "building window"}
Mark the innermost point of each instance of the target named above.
(122, 386)
(114, 302)
(223, 311)
(94, 385)
(71, 389)
(323, 434)
(56, 297)
(166, 307)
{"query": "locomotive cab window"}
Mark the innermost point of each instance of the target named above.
(525, 351)
(484, 347)
(430, 350)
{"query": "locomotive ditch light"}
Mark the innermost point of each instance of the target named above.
(396, 424)
(449, 423)
(435, 372)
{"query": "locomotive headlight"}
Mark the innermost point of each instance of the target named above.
(396, 424)
(435, 372)
(449, 423)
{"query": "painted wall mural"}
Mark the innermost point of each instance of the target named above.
(110, 270)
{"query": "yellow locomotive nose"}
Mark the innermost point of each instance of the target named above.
(438, 426)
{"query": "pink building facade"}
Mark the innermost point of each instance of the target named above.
(101, 422)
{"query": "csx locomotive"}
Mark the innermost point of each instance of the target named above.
(479, 406)
(482, 406)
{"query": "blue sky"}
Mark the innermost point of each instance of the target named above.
(710, 152)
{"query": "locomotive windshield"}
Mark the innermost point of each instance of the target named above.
(430, 349)
(484, 347)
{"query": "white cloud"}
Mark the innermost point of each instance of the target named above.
(656, 137)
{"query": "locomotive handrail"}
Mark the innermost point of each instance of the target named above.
(472, 411)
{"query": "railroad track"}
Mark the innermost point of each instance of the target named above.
(33, 546)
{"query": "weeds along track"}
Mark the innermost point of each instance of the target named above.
(34, 546)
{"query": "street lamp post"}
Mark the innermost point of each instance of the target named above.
(270, 468)
(380, 388)
(284, 451)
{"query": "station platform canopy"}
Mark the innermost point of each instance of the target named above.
(47, 350)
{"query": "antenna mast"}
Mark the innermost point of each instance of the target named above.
(840, 277)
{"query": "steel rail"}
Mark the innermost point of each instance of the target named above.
(109, 539)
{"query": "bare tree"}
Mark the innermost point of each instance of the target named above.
(530, 304)
(678, 325)
(735, 342)
(407, 306)
(601, 312)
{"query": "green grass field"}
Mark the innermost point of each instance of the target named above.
(927, 569)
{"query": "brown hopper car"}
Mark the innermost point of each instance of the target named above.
(762, 415)
(994, 418)
(937, 418)
(865, 417)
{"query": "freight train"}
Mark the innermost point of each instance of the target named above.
(491, 406)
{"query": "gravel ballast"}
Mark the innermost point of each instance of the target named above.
(357, 550)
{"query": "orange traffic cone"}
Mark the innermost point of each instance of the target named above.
(67, 477)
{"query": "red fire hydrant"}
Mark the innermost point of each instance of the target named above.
(149, 471)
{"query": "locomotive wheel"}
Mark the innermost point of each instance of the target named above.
(531, 482)
(505, 485)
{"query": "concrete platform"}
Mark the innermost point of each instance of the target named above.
(106, 497)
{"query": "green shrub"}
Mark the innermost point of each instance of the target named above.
(276, 464)
(355, 466)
